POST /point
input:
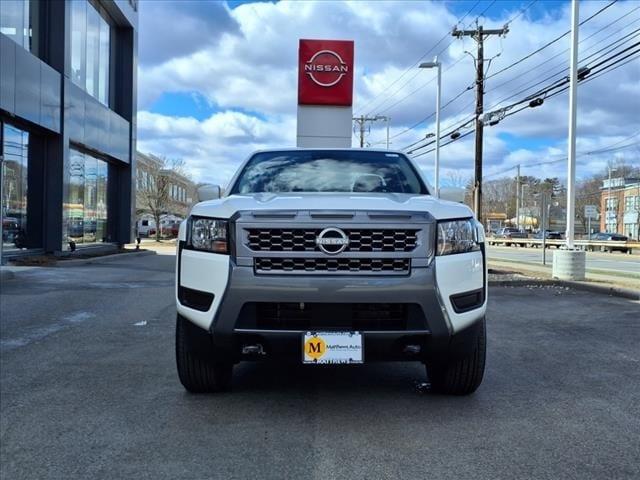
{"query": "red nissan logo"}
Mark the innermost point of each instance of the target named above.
(326, 68)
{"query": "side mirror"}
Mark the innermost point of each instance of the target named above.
(209, 192)
(452, 194)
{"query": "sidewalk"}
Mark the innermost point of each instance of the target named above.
(165, 247)
(544, 272)
(8, 272)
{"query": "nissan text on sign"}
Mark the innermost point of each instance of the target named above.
(325, 93)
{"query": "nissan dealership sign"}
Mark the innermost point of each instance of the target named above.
(325, 72)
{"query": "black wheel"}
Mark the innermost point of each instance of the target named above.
(464, 375)
(198, 373)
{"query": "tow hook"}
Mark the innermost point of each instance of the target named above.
(253, 349)
(411, 349)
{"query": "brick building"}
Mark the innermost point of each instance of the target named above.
(180, 190)
(620, 203)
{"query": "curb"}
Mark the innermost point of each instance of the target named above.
(584, 286)
(105, 258)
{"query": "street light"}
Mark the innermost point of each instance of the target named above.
(609, 203)
(438, 65)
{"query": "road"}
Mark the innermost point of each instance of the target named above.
(89, 390)
(610, 262)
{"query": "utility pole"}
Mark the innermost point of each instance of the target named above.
(518, 197)
(388, 120)
(544, 228)
(361, 121)
(479, 35)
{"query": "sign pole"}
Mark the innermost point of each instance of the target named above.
(569, 264)
(573, 90)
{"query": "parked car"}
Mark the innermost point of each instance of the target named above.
(610, 237)
(174, 229)
(508, 233)
(549, 235)
(342, 257)
(146, 227)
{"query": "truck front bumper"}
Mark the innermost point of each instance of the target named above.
(226, 326)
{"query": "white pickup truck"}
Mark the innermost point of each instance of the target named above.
(329, 256)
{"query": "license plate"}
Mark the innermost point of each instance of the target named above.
(332, 347)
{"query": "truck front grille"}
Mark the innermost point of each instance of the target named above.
(304, 240)
(328, 316)
(398, 266)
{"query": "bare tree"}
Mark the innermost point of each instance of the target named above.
(499, 196)
(155, 196)
(458, 180)
(587, 193)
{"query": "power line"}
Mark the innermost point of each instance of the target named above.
(414, 64)
(544, 92)
(548, 44)
(604, 70)
(623, 39)
(430, 81)
(564, 157)
(521, 12)
(545, 62)
(562, 81)
(419, 88)
(391, 95)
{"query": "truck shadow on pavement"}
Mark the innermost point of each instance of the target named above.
(280, 376)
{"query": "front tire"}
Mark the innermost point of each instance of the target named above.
(198, 374)
(461, 376)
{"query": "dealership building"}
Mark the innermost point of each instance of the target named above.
(67, 123)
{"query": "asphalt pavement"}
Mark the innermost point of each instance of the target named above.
(88, 389)
(614, 262)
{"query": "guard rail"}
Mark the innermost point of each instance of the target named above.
(588, 245)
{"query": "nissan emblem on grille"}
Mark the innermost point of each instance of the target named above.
(332, 241)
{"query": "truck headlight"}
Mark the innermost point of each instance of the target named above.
(209, 234)
(458, 236)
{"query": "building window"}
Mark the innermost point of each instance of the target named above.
(85, 204)
(15, 148)
(18, 22)
(90, 49)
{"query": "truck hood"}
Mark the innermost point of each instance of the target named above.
(226, 207)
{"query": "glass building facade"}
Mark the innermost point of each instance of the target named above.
(85, 206)
(15, 165)
(67, 124)
(90, 49)
(19, 22)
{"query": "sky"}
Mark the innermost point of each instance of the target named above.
(218, 80)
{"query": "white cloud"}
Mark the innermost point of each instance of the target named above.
(211, 148)
(248, 72)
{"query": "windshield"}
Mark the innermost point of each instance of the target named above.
(328, 171)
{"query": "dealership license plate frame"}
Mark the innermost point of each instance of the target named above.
(339, 348)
